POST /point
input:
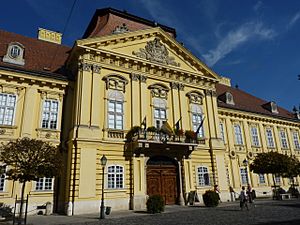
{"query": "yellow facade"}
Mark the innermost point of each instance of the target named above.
(118, 80)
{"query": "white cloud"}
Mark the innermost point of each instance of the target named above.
(295, 18)
(235, 38)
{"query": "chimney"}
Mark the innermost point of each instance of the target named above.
(50, 36)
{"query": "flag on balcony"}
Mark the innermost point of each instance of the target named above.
(144, 124)
(177, 125)
(200, 125)
(167, 128)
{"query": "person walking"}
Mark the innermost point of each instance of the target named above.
(251, 194)
(243, 199)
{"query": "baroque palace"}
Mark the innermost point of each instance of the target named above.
(125, 72)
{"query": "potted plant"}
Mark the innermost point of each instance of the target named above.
(151, 131)
(190, 135)
(132, 132)
(211, 198)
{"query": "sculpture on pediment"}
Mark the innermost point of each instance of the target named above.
(120, 29)
(155, 51)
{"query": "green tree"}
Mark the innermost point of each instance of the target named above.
(293, 169)
(29, 159)
(271, 163)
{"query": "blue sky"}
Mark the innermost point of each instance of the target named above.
(254, 42)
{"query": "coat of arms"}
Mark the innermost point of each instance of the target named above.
(155, 51)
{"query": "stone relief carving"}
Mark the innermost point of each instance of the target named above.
(195, 97)
(155, 51)
(90, 67)
(138, 77)
(115, 82)
(159, 91)
(176, 85)
(120, 29)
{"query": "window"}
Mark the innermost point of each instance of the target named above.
(284, 143)
(222, 132)
(50, 114)
(238, 134)
(115, 115)
(254, 135)
(44, 184)
(203, 176)
(261, 178)
(244, 176)
(2, 177)
(160, 117)
(296, 140)
(115, 175)
(15, 51)
(270, 140)
(197, 119)
(7, 108)
(196, 122)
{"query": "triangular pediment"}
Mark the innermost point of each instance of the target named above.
(150, 45)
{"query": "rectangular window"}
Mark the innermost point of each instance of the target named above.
(196, 122)
(203, 176)
(222, 132)
(270, 140)
(244, 176)
(296, 140)
(261, 178)
(238, 134)
(50, 114)
(277, 179)
(160, 116)
(254, 136)
(283, 139)
(44, 184)
(7, 108)
(115, 115)
(2, 177)
(115, 176)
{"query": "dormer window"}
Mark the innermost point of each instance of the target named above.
(271, 106)
(229, 98)
(15, 54)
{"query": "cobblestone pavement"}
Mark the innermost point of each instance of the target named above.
(265, 212)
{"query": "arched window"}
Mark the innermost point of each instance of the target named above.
(115, 177)
(115, 109)
(203, 176)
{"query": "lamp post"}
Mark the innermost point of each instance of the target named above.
(245, 163)
(103, 162)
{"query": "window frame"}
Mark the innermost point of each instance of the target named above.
(296, 140)
(261, 178)
(283, 139)
(244, 175)
(44, 182)
(254, 136)
(50, 114)
(238, 134)
(201, 181)
(115, 114)
(6, 106)
(270, 138)
(159, 121)
(114, 179)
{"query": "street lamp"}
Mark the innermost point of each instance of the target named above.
(245, 163)
(103, 162)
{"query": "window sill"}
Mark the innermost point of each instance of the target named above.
(48, 130)
(41, 192)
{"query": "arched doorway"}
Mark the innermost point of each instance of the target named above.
(162, 178)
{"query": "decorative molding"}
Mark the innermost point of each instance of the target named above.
(96, 68)
(85, 66)
(195, 97)
(159, 90)
(176, 85)
(115, 82)
(135, 77)
(155, 51)
(143, 79)
(120, 29)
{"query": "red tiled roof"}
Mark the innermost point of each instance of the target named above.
(246, 102)
(40, 56)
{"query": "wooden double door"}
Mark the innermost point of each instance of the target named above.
(162, 180)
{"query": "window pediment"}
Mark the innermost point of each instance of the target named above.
(159, 90)
(115, 82)
(195, 97)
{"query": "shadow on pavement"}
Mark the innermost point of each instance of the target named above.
(289, 222)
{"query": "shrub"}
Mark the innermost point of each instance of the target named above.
(190, 135)
(155, 204)
(152, 129)
(5, 211)
(211, 198)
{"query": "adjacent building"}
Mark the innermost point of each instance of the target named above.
(127, 72)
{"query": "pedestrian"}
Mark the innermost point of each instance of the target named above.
(243, 199)
(251, 194)
(232, 193)
(216, 189)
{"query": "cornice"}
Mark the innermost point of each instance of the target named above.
(256, 116)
